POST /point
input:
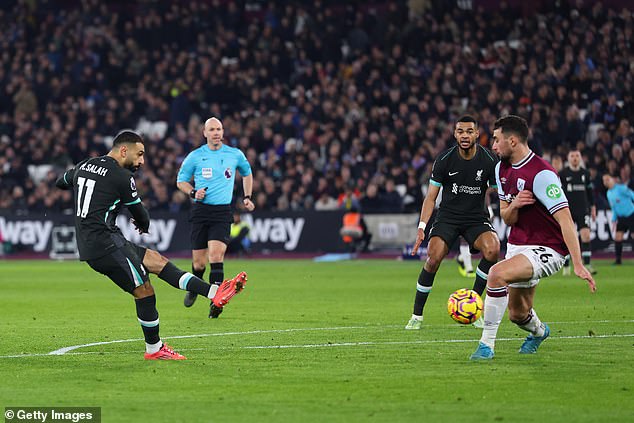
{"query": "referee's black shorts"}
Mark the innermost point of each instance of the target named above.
(624, 224)
(124, 266)
(470, 231)
(210, 223)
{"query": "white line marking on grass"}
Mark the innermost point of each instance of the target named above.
(64, 350)
(422, 341)
(326, 345)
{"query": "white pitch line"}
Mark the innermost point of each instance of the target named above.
(326, 345)
(439, 341)
(64, 350)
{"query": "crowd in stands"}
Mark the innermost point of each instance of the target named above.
(335, 105)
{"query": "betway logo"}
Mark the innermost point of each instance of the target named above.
(27, 232)
(276, 230)
(161, 232)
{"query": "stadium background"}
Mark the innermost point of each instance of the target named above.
(334, 103)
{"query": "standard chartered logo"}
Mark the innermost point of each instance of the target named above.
(553, 191)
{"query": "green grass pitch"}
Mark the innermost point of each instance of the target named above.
(320, 342)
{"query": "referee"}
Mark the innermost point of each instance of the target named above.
(621, 200)
(212, 169)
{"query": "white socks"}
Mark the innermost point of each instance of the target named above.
(495, 305)
(465, 256)
(534, 325)
(153, 348)
(212, 291)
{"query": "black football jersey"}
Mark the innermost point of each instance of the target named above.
(464, 184)
(101, 188)
(578, 188)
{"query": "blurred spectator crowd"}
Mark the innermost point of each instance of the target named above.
(335, 105)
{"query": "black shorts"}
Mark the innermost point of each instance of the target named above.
(624, 224)
(210, 223)
(449, 231)
(124, 266)
(582, 220)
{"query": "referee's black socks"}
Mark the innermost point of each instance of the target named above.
(198, 273)
(618, 250)
(217, 273)
(184, 280)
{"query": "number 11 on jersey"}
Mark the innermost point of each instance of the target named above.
(82, 209)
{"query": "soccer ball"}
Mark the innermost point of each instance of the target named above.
(465, 306)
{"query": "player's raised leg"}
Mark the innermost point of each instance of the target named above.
(167, 271)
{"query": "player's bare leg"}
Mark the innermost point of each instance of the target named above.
(488, 244)
(147, 315)
(167, 271)
(521, 313)
(515, 269)
(436, 252)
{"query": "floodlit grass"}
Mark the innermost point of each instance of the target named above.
(313, 342)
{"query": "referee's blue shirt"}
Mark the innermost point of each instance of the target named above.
(214, 169)
(621, 200)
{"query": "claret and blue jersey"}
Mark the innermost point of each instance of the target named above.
(536, 225)
(214, 170)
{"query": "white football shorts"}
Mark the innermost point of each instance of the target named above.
(545, 262)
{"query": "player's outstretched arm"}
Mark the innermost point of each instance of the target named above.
(569, 233)
(65, 181)
(140, 217)
(425, 215)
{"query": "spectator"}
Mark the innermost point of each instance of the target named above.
(370, 202)
(319, 96)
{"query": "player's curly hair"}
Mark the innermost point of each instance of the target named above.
(468, 118)
(126, 137)
(512, 124)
